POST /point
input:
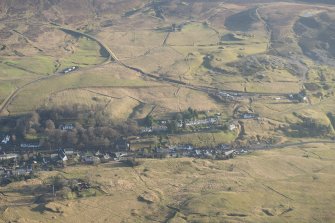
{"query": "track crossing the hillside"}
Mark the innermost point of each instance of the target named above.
(112, 57)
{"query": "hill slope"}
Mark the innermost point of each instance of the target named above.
(294, 184)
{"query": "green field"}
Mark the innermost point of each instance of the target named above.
(39, 94)
(40, 65)
(87, 53)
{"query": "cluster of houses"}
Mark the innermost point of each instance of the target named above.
(220, 152)
(248, 116)
(156, 128)
(6, 173)
(24, 164)
(196, 122)
(225, 96)
(232, 96)
(10, 168)
(64, 155)
(7, 142)
(162, 125)
(14, 165)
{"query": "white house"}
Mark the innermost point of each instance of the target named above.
(9, 156)
(232, 127)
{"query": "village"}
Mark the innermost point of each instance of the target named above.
(22, 165)
(21, 161)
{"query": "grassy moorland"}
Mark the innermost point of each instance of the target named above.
(272, 59)
(169, 56)
(225, 46)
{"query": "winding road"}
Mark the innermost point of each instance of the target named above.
(284, 145)
(4, 105)
(113, 58)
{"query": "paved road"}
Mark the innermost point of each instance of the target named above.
(284, 145)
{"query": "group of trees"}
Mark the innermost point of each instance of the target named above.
(181, 116)
(331, 117)
(149, 120)
(190, 114)
(91, 127)
(69, 188)
(81, 137)
(309, 127)
(179, 120)
(172, 125)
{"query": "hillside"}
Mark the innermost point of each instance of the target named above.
(273, 60)
(212, 77)
(293, 184)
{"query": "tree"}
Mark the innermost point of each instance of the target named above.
(72, 138)
(190, 113)
(195, 114)
(160, 141)
(55, 137)
(106, 142)
(149, 120)
(179, 117)
(190, 110)
(173, 27)
(49, 125)
(34, 119)
(172, 126)
(21, 127)
(101, 119)
(331, 118)
(133, 127)
(13, 138)
(58, 182)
